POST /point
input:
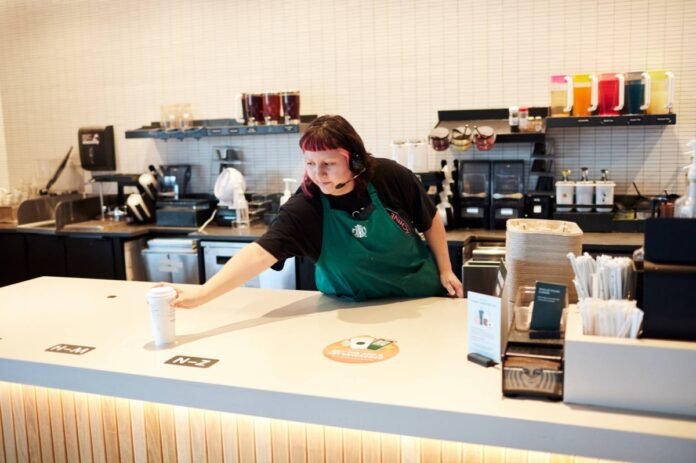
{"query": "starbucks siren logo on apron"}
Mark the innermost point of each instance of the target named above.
(359, 231)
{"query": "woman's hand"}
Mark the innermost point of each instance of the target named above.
(187, 297)
(246, 264)
(451, 283)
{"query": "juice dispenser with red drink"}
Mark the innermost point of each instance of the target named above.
(611, 94)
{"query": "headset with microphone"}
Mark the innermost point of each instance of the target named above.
(356, 164)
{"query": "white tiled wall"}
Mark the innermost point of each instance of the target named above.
(387, 66)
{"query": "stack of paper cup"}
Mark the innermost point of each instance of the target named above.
(398, 152)
(417, 155)
(162, 314)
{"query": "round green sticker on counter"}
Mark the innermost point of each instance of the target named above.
(361, 349)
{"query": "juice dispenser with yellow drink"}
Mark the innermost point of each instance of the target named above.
(659, 91)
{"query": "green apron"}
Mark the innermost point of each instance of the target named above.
(373, 258)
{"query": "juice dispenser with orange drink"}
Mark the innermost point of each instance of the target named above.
(584, 94)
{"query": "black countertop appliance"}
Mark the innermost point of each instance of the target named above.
(473, 208)
(97, 150)
(175, 180)
(539, 204)
(507, 192)
(669, 278)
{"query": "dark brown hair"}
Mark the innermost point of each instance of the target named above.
(333, 132)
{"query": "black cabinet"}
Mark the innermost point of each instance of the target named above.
(304, 272)
(88, 257)
(45, 256)
(67, 256)
(455, 255)
(13, 266)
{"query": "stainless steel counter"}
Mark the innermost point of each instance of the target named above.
(215, 232)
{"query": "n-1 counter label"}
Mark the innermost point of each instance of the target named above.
(196, 362)
(70, 349)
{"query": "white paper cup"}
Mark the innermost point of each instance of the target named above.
(162, 314)
(522, 316)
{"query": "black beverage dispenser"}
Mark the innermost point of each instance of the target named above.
(97, 148)
(507, 192)
(474, 198)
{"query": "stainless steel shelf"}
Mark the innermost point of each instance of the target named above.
(495, 118)
(612, 121)
(214, 128)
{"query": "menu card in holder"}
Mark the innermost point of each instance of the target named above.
(549, 301)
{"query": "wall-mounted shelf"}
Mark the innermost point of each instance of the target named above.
(612, 121)
(495, 118)
(216, 128)
(498, 119)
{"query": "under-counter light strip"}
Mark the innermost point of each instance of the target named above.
(44, 424)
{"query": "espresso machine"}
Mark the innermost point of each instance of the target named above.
(507, 192)
(141, 211)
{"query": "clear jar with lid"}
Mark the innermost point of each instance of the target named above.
(524, 119)
(538, 124)
(439, 138)
(514, 118)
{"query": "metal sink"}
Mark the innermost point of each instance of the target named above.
(42, 226)
(84, 228)
(95, 226)
(47, 214)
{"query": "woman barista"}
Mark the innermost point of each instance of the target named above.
(357, 218)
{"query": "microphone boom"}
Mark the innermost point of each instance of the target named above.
(341, 185)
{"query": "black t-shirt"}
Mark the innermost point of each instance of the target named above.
(297, 231)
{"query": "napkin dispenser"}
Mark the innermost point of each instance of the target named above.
(97, 151)
(533, 367)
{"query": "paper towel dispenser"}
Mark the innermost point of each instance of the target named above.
(97, 150)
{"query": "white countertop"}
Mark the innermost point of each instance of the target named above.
(269, 344)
